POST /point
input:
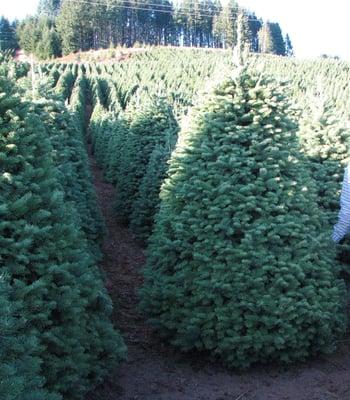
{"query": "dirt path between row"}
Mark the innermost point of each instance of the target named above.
(155, 372)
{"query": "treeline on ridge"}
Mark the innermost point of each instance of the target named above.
(65, 26)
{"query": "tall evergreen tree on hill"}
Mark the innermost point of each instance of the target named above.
(202, 23)
(278, 41)
(271, 39)
(265, 39)
(161, 23)
(38, 36)
(49, 8)
(74, 26)
(114, 22)
(49, 45)
(8, 40)
(254, 25)
(289, 46)
(225, 25)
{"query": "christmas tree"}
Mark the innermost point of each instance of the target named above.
(240, 264)
(147, 129)
(325, 140)
(72, 164)
(45, 255)
(20, 377)
(115, 149)
(147, 201)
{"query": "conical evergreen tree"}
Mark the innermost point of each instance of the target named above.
(113, 100)
(238, 264)
(78, 103)
(101, 136)
(325, 141)
(147, 129)
(8, 40)
(147, 201)
(115, 150)
(71, 161)
(20, 375)
(65, 84)
(289, 46)
(45, 255)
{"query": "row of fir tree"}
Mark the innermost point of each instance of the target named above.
(56, 337)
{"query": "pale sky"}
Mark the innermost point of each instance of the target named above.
(315, 26)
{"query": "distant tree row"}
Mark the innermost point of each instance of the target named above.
(8, 37)
(39, 36)
(65, 26)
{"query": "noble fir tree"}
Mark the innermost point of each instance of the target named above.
(78, 102)
(238, 263)
(147, 200)
(65, 84)
(72, 166)
(325, 140)
(45, 255)
(148, 128)
(20, 375)
(115, 150)
(101, 138)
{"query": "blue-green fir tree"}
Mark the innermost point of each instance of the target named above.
(20, 375)
(45, 255)
(147, 201)
(148, 128)
(240, 264)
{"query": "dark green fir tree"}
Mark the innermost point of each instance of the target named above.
(72, 166)
(20, 373)
(147, 201)
(115, 149)
(148, 128)
(45, 255)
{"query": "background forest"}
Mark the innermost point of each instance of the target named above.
(65, 26)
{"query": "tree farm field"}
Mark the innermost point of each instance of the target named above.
(166, 222)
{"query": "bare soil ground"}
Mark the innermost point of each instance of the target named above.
(110, 55)
(101, 56)
(154, 371)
